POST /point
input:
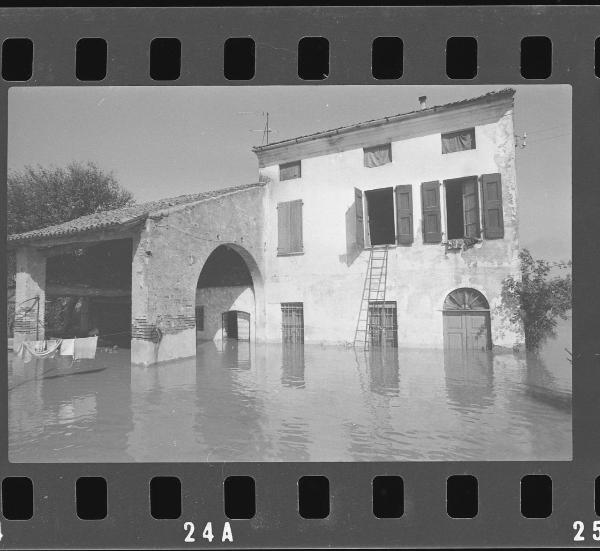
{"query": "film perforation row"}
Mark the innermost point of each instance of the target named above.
(313, 497)
(313, 55)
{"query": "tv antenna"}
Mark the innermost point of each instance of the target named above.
(266, 130)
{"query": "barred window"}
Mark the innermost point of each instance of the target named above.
(292, 322)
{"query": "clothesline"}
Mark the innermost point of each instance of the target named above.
(84, 348)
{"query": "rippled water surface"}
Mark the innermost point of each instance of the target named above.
(234, 402)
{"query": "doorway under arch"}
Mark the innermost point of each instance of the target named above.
(225, 295)
(466, 317)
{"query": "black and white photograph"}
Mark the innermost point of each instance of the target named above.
(289, 273)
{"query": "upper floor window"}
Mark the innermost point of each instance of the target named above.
(289, 228)
(461, 140)
(377, 155)
(290, 171)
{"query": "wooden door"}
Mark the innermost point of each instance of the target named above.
(467, 330)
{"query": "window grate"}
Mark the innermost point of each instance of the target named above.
(292, 322)
(383, 323)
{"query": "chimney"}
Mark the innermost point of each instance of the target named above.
(423, 102)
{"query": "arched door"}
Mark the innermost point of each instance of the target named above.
(466, 321)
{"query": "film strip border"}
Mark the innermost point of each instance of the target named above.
(350, 33)
(239, 58)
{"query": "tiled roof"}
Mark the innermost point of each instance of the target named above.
(505, 92)
(118, 217)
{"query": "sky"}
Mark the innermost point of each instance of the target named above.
(165, 141)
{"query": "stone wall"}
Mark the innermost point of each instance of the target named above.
(168, 258)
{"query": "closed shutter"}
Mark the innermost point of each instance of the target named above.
(404, 215)
(296, 226)
(289, 227)
(493, 217)
(283, 228)
(471, 208)
(430, 201)
(359, 216)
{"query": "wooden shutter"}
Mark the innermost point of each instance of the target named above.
(404, 215)
(283, 228)
(296, 226)
(493, 217)
(432, 218)
(470, 199)
(359, 216)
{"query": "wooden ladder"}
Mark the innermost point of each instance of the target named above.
(373, 291)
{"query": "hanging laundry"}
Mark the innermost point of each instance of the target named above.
(85, 348)
(67, 347)
(38, 349)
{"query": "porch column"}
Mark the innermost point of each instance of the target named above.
(30, 296)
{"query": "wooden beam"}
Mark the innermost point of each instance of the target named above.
(56, 290)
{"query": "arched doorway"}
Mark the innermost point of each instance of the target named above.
(466, 320)
(225, 300)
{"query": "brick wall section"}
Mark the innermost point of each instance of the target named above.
(169, 256)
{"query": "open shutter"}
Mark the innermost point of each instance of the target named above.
(493, 217)
(432, 218)
(295, 226)
(283, 228)
(470, 208)
(404, 215)
(359, 216)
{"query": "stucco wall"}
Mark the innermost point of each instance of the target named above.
(328, 278)
(217, 300)
(168, 258)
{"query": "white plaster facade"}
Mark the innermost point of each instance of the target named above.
(328, 276)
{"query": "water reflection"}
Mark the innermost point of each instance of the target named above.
(292, 365)
(469, 378)
(237, 402)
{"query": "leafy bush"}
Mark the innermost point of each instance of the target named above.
(541, 295)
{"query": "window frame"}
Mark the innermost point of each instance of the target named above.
(290, 164)
(474, 140)
(444, 205)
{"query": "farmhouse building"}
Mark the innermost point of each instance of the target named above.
(396, 231)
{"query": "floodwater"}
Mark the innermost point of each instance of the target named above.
(236, 402)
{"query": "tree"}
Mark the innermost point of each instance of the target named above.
(538, 298)
(38, 197)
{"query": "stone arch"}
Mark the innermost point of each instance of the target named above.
(229, 280)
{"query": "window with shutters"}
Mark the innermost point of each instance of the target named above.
(290, 171)
(380, 213)
(289, 228)
(377, 155)
(491, 204)
(431, 212)
(462, 208)
(462, 140)
(292, 322)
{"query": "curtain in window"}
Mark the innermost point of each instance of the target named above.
(458, 141)
(378, 155)
(289, 171)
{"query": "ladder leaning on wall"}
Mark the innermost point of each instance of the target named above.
(373, 292)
